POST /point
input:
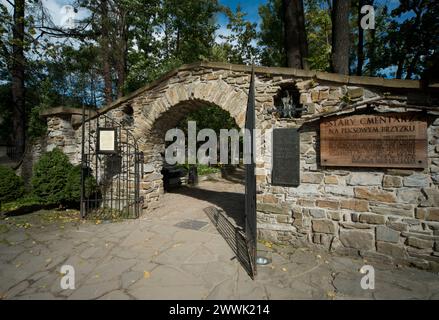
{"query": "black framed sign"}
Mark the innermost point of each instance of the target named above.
(286, 157)
(107, 140)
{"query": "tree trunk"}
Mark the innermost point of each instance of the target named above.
(360, 46)
(17, 73)
(121, 63)
(340, 36)
(302, 34)
(400, 68)
(295, 42)
(372, 50)
(105, 53)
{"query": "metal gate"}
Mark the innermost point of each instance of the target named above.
(250, 181)
(111, 168)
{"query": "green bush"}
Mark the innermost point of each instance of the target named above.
(50, 176)
(11, 185)
(73, 186)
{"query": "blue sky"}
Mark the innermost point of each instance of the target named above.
(251, 6)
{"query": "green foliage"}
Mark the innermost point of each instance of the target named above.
(50, 176)
(410, 43)
(11, 185)
(271, 35)
(36, 126)
(189, 28)
(209, 117)
(27, 201)
(56, 181)
(238, 46)
(202, 169)
(319, 28)
(73, 185)
(205, 169)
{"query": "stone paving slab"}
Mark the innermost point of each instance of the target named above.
(151, 258)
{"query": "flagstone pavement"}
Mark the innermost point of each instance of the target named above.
(160, 256)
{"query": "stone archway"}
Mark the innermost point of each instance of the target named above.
(165, 110)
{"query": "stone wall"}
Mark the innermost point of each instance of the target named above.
(381, 214)
(384, 214)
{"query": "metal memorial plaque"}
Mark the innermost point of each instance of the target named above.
(391, 140)
(286, 157)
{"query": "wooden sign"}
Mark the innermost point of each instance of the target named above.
(286, 157)
(393, 140)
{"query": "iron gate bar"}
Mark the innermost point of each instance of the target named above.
(116, 175)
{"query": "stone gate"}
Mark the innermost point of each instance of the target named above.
(386, 214)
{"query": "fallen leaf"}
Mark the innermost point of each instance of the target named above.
(146, 275)
(284, 269)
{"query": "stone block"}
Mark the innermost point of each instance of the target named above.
(306, 202)
(304, 85)
(353, 225)
(408, 195)
(419, 243)
(365, 179)
(431, 197)
(328, 204)
(392, 182)
(386, 234)
(153, 177)
(417, 180)
(323, 226)
(372, 218)
(339, 190)
(315, 95)
(148, 168)
(334, 94)
(331, 180)
(433, 214)
(355, 205)
(335, 215)
(306, 189)
(269, 198)
(355, 92)
(310, 177)
(394, 211)
(421, 213)
(391, 249)
(398, 226)
(317, 213)
(374, 194)
(357, 239)
(272, 208)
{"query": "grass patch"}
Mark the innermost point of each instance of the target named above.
(23, 204)
(202, 169)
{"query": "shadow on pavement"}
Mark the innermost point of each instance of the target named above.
(227, 215)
